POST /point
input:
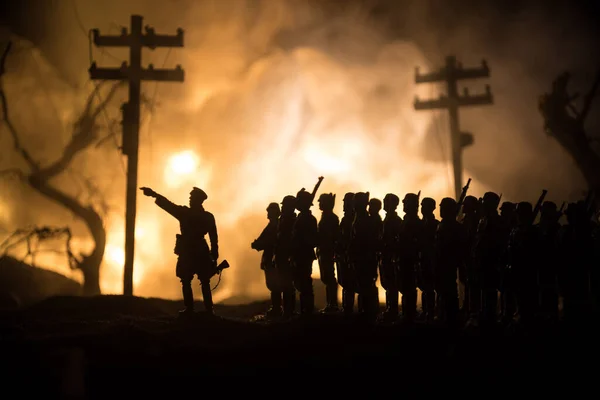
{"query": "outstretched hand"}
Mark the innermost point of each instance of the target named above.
(148, 192)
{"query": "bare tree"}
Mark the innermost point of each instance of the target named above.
(565, 123)
(85, 133)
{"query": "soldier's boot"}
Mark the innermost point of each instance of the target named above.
(307, 303)
(289, 303)
(348, 301)
(188, 298)
(332, 297)
(275, 309)
(207, 298)
(391, 305)
(409, 306)
(430, 305)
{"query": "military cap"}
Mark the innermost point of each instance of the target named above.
(198, 193)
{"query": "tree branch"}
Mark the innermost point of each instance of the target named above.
(588, 99)
(84, 135)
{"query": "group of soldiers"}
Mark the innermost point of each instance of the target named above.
(506, 264)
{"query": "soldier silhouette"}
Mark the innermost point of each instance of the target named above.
(392, 224)
(409, 250)
(509, 221)
(305, 237)
(576, 247)
(194, 255)
(451, 252)
(329, 231)
(346, 273)
(266, 243)
(468, 275)
(374, 210)
(523, 257)
(364, 246)
(549, 260)
(489, 247)
(283, 254)
(426, 270)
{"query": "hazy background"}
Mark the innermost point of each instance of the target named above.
(278, 92)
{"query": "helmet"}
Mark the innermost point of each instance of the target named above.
(428, 202)
(391, 199)
(289, 201)
(327, 200)
(448, 205)
(411, 198)
(361, 198)
(508, 206)
(491, 198)
(273, 207)
(303, 197)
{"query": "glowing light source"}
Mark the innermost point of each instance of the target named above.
(183, 163)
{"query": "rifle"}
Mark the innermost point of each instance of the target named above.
(589, 204)
(316, 188)
(462, 197)
(419, 197)
(538, 205)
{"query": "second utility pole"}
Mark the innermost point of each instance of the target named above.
(134, 74)
(451, 74)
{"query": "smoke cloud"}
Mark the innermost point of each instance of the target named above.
(276, 94)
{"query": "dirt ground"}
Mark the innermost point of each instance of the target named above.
(96, 347)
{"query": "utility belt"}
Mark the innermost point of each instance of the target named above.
(186, 246)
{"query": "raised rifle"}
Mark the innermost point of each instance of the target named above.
(316, 188)
(462, 197)
(538, 205)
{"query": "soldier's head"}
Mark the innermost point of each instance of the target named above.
(374, 206)
(361, 201)
(411, 203)
(549, 211)
(525, 212)
(288, 204)
(197, 197)
(427, 206)
(390, 202)
(490, 202)
(470, 205)
(448, 208)
(348, 202)
(303, 200)
(327, 201)
(508, 209)
(273, 211)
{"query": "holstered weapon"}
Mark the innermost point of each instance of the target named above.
(462, 197)
(538, 206)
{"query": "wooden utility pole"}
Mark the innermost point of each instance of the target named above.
(451, 74)
(134, 74)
